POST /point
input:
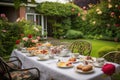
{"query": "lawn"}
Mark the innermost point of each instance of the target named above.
(97, 44)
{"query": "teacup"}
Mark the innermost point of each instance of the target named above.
(100, 61)
(23, 50)
(76, 55)
(41, 56)
(64, 52)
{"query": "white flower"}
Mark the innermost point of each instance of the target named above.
(83, 18)
(97, 9)
(99, 12)
(109, 0)
(94, 22)
(36, 29)
(25, 39)
(109, 6)
(116, 5)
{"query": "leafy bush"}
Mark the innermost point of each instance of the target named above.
(105, 50)
(30, 28)
(103, 19)
(57, 9)
(9, 33)
(73, 34)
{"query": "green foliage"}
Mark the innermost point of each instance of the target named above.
(73, 34)
(9, 33)
(18, 2)
(57, 9)
(61, 16)
(30, 28)
(103, 19)
(102, 51)
(118, 47)
(57, 30)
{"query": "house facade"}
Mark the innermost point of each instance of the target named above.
(24, 11)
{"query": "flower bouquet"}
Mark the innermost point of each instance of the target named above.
(28, 41)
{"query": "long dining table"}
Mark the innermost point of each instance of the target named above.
(49, 70)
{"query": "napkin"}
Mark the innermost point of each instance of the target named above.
(108, 69)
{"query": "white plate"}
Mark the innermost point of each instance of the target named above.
(97, 65)
(64, 66)
(42, 59)
(78, 70)
(30, 55)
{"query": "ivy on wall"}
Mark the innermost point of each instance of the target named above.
(58, 9)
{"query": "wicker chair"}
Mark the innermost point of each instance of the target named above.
(113, 56)
(13, 62)
(9, 73)
(82, 47)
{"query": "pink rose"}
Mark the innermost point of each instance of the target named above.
(34, 41)
(25, 39)
(38, 37)
(3, 15)
(108, 69)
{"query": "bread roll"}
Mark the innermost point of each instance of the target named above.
(87, 68)
(80, 66)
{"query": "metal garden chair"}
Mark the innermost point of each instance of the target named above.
(9, 73)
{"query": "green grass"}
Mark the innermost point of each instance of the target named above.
(97, 44)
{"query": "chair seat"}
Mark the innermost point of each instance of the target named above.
(13, 65)
(21, 75)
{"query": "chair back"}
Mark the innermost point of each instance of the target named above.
(113, 56)
(82, 47)
(4, 69)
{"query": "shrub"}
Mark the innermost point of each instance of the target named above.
(57, 9)
(30, 28)
(104, 20)
(105, 50)
(73, 34)
(9, 33)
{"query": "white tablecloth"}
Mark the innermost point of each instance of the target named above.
(49, 69)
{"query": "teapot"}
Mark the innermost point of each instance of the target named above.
(64, 52)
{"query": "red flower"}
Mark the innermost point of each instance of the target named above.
(29, 36)
(17, 41)
(119, 7)
(108, 69)
(117, 25)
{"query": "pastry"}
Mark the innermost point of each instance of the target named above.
(87, 68)
(72, 59)
(80, 66)
(84, 68)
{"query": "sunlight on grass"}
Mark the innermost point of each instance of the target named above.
(96, 45)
